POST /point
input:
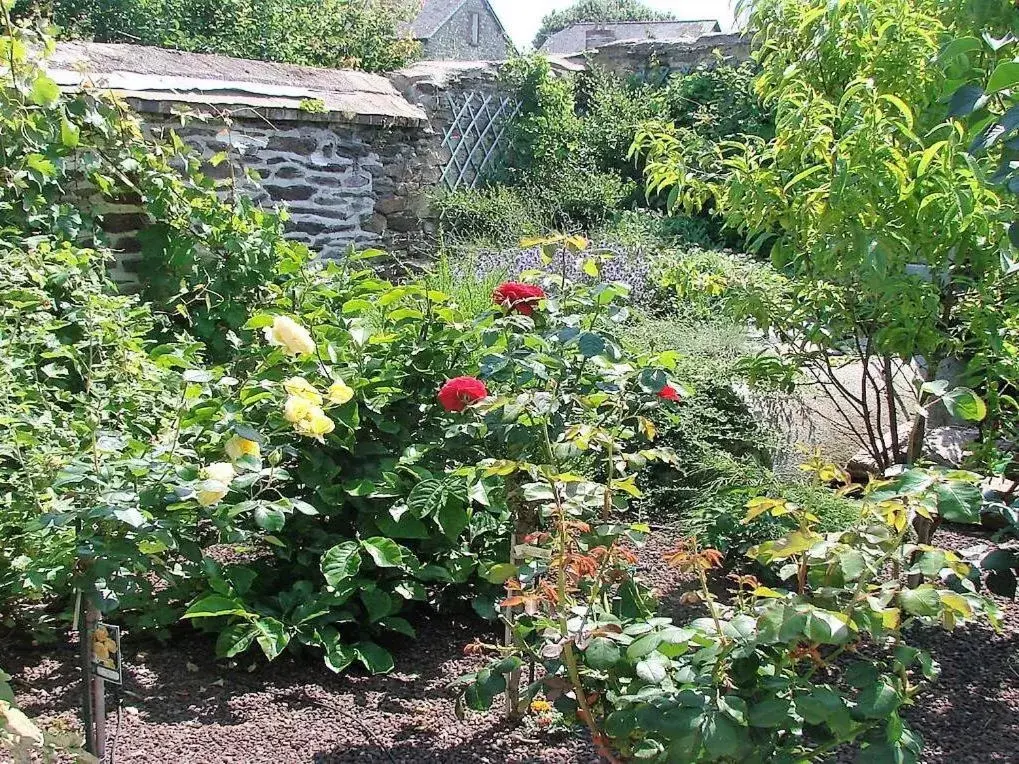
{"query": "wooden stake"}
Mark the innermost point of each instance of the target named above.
(85, 653)
(94, 688)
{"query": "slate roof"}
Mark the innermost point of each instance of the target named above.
(573, 39)
(435, 13)
(162, 77)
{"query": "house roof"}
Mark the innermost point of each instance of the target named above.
(159, 78)
(573, 39)
(435, 13)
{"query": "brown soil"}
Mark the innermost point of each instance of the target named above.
(181, 705)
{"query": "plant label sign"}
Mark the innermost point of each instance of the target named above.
(106, 662)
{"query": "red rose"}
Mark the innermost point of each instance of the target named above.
(515, 295)
(457, 394)
(669, 393)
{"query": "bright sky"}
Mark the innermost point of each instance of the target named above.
(523, 17)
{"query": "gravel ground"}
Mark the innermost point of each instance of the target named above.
(181, 705)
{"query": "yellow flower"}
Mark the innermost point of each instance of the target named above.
(297, 408)
(339, 393)
(238, 447)
(541, 706)
(315, 424)
(287, 333)
(221, 472)
(302, 388)
(211, 492)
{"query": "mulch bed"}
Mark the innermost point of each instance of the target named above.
(180, 705)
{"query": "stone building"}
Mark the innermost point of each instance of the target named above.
(460, 30)
(578, 38)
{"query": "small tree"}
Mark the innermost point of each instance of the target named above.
(596, 10)
(874, 213)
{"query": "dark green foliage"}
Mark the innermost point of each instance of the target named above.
(596, 10)
(498, 214)
(333, 33)
(569, 144)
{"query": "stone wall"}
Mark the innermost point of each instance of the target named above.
(644, 56)
(360, 172)
(453, 39)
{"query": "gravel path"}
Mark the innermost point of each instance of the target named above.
(180, 705)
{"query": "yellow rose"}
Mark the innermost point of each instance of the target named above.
(287, 333)
(211, 492)
(297, 408)
(221, 472)
(238, 447)
(315, 424)
(339, 393)
(302, 388)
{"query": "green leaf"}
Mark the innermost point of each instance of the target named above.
(235, 639)
(271, 636)
(341, 562)
(922, 601)
(958, 501)
(723, 737)
(770, 713)
(400, 625)
(965, 404)
(45, 92)
(877, 701)
(269, 518)
(377, 603)
(215, 605)
(427, 497)
(339, 656)
(452, 518)
(1005, 75)
(602, 654)
(653, 669)
(374, 658)
(500, 573)
(70, 134)
(958, 47)
(385, 552)
(591, 344)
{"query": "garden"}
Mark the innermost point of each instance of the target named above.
(694, 442)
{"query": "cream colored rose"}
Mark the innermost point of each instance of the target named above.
(315, 424)
(221, 472)
(238, 447)
(287, 333)
(296, 408)
(339, 393)
(302, 388)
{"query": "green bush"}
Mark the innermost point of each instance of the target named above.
(497, 215)
(716, 508)
(331, 33)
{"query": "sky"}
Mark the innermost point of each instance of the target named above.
(523, 17)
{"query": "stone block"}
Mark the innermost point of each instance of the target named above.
(293, 144)
(391, 204)
(291, 193)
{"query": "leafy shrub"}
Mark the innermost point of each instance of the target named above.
(764, 676)
(499, 214)
(715, 509)
(651, 232)
(331, 33)
(344, 474)
(78, 379)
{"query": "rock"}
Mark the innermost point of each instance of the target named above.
(946, 446)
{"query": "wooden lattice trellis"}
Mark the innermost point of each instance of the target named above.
(476, 137)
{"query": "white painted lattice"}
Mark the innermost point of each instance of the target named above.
(476, 137)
